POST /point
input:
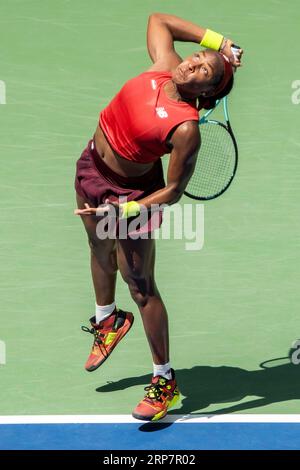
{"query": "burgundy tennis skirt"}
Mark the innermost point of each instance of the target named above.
(96, 182)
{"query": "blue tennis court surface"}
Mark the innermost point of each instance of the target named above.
(203, 435)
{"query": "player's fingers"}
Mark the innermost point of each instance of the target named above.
(87, 211)
(81, 212)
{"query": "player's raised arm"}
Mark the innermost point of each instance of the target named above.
(164, 29)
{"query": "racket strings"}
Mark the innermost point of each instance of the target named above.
(215, 163)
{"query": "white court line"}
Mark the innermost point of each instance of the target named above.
(127, 419)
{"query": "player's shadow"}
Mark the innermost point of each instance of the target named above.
(202, 386)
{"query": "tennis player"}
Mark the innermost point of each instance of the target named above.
(155, 113)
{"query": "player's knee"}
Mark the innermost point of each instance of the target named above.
(138, 290)
(139, 297)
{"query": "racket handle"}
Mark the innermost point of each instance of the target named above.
(235, 49)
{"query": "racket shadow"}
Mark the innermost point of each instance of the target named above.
(202, 386)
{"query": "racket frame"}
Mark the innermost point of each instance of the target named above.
(204, 120)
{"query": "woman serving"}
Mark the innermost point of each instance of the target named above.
(153, 114)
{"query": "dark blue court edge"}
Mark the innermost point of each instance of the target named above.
(142, 457)
(150, 436)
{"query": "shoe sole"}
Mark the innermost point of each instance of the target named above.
(160, 415)
(93, 368)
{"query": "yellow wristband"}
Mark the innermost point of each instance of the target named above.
(130, 209)
(212, 40)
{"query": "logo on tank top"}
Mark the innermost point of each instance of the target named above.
(161, 112)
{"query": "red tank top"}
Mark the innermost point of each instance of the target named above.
(139, 118)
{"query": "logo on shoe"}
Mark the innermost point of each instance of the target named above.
(109, 338)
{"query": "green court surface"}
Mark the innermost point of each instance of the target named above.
(231, 305)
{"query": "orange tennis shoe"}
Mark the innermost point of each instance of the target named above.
(107, 334)
(161, 395)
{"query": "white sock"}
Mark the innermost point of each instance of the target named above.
(103, 311)
(162, 369)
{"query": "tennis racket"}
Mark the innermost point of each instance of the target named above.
(217, 159)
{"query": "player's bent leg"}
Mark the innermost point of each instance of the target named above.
(136, 264)
(108, 332)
